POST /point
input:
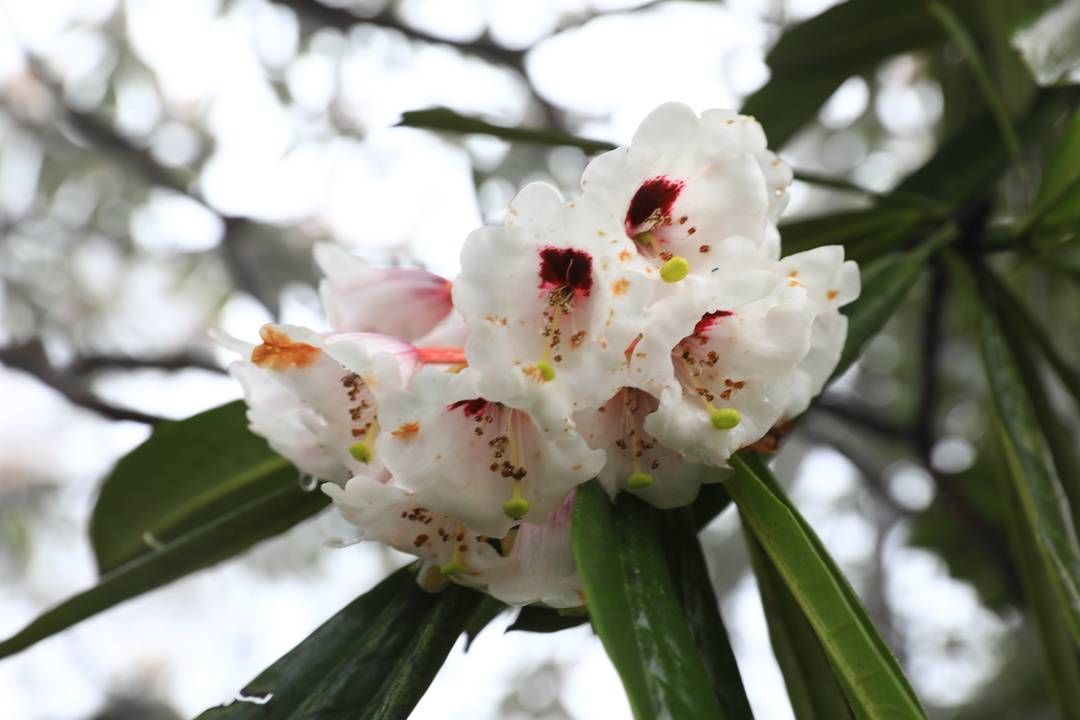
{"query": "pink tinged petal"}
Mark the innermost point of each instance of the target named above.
(391, 515)
(541, 565)
(403, 302)
(636, 461)
(468, 457)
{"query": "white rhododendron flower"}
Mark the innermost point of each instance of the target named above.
(686, 183)
(548, 307)
(313, 410)
(640, 334)
(481, 461)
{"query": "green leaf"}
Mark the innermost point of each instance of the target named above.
(635, 610)
(185, 475)
(813, 58)
(1043, 500)
(1058, 200)
(872, 680)
(712, 500)
(217, 540)
(885, 284)
(450, 121)
(971, 160)
(811, 684)
(686, 562)
(960, 37)
(1024, 335)
(865, 234)
(540, 619)
(371, 661)
(1062, 663)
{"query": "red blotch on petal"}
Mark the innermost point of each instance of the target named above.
(708, 320)
(656, 196)
(472, 408)
(566, 268)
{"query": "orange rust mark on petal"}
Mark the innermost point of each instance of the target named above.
(407, 431)
(279, 352)
(624, 255)
(629, 352)
(620, 286)
(831, 294)
(793, 274)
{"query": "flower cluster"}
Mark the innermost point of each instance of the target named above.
(638, 333)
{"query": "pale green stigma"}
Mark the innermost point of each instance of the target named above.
(724, 418)
(674, 269)
(516, 508)
(546, 370)
(360, 452)
(454, 567)
(639, 480)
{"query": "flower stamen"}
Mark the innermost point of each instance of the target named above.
(364, 450)
(456, 566)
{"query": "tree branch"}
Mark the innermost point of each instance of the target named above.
(483, 47)
(86, 364)
(31, 358)
(106, 141)
(862, 417)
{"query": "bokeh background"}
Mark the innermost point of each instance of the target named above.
(166, 167)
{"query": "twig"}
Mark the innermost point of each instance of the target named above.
(482, 47)
(864, 418)
(31, 358)
(86, 364)
(106, 141)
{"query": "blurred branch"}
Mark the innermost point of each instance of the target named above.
(483, 47)
(344, 19)
(87, 364)
(105, 140)
(930, 342)
(862, 417)
(31, 358)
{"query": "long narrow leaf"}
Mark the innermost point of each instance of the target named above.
(694, 587)
(1062, 662)
(960, 37)
(814, 692)
(186, 474)
(450, 121)
(635, 610)
(1024, 336)
(226, 536)
(1036, 483)
(372, 660)
(814, 57)
(872, 679)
